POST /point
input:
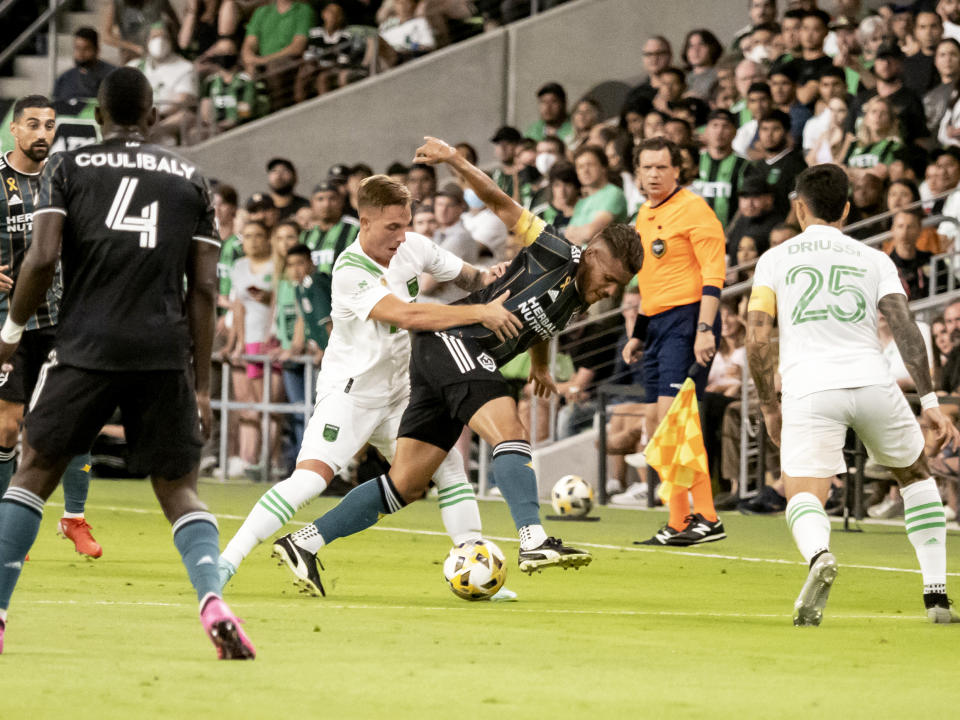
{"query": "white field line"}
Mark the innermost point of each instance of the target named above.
(599, 546)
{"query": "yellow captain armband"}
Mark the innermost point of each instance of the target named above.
(763, 299)
(528, 228)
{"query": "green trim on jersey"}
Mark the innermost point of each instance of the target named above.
(719, 183)
(349, 259)
(286, 312)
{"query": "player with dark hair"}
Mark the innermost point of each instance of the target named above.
(33, 127)
(133, 220)
(454, 379)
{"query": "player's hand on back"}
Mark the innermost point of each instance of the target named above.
(6, 282)
(491, 274)
(945, 432)
(433, 152)
(501, 321)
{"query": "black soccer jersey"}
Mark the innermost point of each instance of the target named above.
(17, 203)
(131, 212)
(543, 291)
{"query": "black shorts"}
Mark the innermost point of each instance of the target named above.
(158, 411)
(17, 385)
(450, 379)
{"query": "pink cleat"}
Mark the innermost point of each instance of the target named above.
(3, 626)
(223, 627)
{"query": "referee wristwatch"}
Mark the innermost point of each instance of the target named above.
(704, 327)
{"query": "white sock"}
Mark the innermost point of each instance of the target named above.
(809, 524)
(69, 515)
(458, 504)
(3, 616)
(532, 536)
(273, 510)
(926, 526)
(309, 538)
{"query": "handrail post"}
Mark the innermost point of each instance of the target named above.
(52, 44)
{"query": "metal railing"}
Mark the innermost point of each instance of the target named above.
(49, 18)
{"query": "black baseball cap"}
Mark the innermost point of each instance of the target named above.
(891, 51)
(722, 114)
(339, 172)
(507, 134)
(259, 201)
(281, 161)
(326, 186)
(753, 185)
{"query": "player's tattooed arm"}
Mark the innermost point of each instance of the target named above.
(473, 278)
(762, 355)
(909, 340)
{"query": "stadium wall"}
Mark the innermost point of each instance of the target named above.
(463, 92)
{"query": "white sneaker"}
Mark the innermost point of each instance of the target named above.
(950, 513)
(236, 466)
(633, 496)
(636, 460)
(889, 507)
(613, 486)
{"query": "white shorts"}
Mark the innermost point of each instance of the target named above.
(815, 429)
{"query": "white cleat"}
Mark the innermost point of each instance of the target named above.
(808, 609)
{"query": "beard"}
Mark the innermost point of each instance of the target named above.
(284, 190)
(37, 152)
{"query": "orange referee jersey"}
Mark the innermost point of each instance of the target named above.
(683, 250)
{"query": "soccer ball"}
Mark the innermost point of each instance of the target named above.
(475, 570)
(572, 495)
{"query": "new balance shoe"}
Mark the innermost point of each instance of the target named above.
(939, 610)
(225, 571)
(663, 536)
(223, 628)
(552, 553)
(699, 530)
(808, 609)
(302, 563)
(78, 530)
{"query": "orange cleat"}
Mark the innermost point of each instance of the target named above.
(78, 530)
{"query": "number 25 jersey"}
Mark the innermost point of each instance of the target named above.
(131, 214)
(827, 287)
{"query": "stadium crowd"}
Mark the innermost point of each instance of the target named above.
(876, 91)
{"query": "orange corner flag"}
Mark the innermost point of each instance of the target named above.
(676, 449)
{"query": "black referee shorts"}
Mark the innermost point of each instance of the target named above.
(450, 379)
(17, 385)
(158, 411)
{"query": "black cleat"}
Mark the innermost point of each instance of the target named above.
(698, 530)
(302, 563)
(939, 610)
(663, 536)
(552, 553)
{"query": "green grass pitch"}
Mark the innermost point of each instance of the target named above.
(641, 633)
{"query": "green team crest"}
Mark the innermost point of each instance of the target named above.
(413, 286)
(330, 432)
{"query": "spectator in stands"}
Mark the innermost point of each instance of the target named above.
(937, 101)
(941, 349)
(790, 35)
(231, 249)
(601, 202)
(260, 208)
(760, 11)
(842, 46)
(762, 45)
(586, 115)
(632, 116)
(879, 145)
(550, 150)
(830, 85)
(780, 161)
(755, 218)
(949, 12)
(281, 183)
(812, 59)
(654, 124)
(453, 237)
(126, 24)
(900, 195)
(871, 34)
(619, 153)
(701, 51)
(485, 227)
(229, 97)
(82, 81)
(210, 28)
(333, 56)
(397, 171)
(835, 141)
(745, 74)
(759, 103)
(564, 194)
(657, 55)
(867, 200)
(783, 232)
(422, 182)
(274, 44)
(506, 142)
(405, 35)
(906, 105)
(424, 220)
(174, 83)
(783, 93)
(358, 173)
(313, 299)
(552, 109)
(919, 73)
(331, 230)
(721, 170)
(910, 261)
(951, 368)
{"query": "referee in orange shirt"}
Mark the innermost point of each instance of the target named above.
(680, 284)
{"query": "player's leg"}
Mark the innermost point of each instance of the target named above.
(893, 438)
(11, 413)
(73, 524)
(811, 454)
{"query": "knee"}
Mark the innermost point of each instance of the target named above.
(9, 430)
(412, 487)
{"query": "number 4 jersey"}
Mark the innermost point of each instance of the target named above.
(132, 213)
(826, 287)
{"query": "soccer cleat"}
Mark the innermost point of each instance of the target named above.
(223, 627)
(302, 563)
(808, 609)
(225, 570)
(552, 553)
(938, 608)
(504, 595)
(663, 536)
(3, 627)
(78, 530)
(698, 530)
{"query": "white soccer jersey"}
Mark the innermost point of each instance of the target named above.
(365, 358)
(827, 287)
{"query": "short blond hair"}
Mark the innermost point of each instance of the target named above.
(380, 191)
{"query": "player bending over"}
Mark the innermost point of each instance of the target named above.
(826, 288)
(455, 382)
(363, 386)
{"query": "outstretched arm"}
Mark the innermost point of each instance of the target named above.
(435, 151)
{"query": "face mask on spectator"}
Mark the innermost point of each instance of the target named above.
(544, 162)
(158, 47)
(758, 54)
(472, 199)
(225, 61)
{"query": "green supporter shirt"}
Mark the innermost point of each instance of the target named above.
(325, 247)
(235, 99)
(275, 31)
(230, 251)
(313, 305)
(504, 181)
(609, 198)
(286, 312)
(538, 131)
(884, 152)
